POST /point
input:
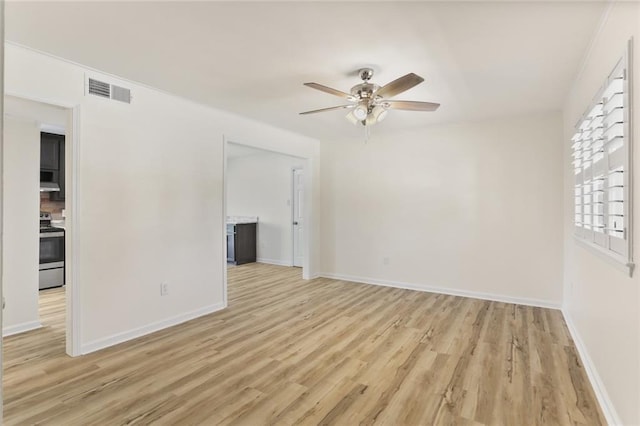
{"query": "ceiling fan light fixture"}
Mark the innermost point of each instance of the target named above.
(379, 113)
(360, 112)
(352, 118)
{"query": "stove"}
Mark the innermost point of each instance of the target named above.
(51, 253)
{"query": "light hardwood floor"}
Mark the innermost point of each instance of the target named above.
(289, 351)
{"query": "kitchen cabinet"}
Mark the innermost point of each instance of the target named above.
(59, 196)
(50, 151)
(241, 243)
(52, 160)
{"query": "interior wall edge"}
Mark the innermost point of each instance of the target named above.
(608, 409)
(134, 333)
(274, 262)
(20, 328)
(548, 304)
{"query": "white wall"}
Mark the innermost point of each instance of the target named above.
(260, 185)
(149, 197)
(600, 301)
(21, 196)
(468, 209)
(1, 180)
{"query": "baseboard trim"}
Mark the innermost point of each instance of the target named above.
(20, 328)
(599, 389)
(450, 291)
(274, 262)
(148, 329)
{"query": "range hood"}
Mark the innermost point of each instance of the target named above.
(49, 187)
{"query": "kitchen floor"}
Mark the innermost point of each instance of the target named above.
(52, 308)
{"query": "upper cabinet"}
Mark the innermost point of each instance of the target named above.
(50, 151)
(52, 159)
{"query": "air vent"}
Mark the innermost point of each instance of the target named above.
(120, 94)
(110, 91)
(99, 88)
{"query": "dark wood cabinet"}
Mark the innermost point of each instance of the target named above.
(50, 151)
(52, 161)
(241, 243)
(59, 196)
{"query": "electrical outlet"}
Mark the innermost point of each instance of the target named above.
(385, 260)
(164, 289)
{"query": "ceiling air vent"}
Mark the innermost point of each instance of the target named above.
(110, 91)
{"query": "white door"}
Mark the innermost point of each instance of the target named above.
(298, 218)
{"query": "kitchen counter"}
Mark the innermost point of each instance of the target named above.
(236, 220)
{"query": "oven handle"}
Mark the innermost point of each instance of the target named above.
(51, 234)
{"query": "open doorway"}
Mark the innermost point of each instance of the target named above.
(261, 190)
(260, 186)
(37, 192)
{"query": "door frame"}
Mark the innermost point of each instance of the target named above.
(307, 167)
(293, 215)
(73, 306)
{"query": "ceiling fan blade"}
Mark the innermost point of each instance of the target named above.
(412, 105)
(399, 85)
(328, 109)
(330, 91)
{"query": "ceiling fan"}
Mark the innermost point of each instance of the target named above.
(370, 102)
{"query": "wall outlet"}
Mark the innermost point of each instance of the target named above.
(164, 289)
(385, 260)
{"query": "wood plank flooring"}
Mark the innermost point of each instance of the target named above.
(289, 351)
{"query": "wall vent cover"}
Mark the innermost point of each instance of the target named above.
(99, 88)
(120, 94)
(109, 91)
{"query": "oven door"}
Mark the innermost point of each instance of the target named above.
(51, 248)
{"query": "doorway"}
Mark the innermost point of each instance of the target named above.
(272, 188)
(39, 290)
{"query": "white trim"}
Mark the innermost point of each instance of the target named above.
(20, 328)
(274, 261)
(599, 389)
(450, 291)
(73, 291)
(224, 219)
(125, 336)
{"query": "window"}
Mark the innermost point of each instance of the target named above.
(601, 162)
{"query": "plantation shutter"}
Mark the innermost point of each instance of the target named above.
(601, 159)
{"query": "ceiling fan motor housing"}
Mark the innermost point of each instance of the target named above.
(366, 74)
(364, 90)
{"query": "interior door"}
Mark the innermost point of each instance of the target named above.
(298, 218)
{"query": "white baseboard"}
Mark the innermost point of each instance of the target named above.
(450, 291)
(20, 328)
(115, 339)
(274, 262)
(599, 389)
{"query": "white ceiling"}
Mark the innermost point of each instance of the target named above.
(480, 59)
